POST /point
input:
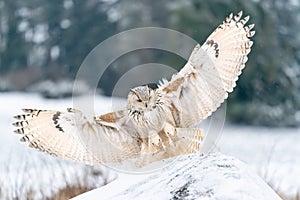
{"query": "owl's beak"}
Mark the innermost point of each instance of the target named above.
(146, 105)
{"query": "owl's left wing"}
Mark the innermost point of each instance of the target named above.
(210, 73)
(70, 135)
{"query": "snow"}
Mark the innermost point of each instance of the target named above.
(212, 176)
(272, 153)
(120, 184)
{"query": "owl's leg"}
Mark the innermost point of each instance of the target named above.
(156, 144)
(158, 147)
(169, 134)
(152, 144)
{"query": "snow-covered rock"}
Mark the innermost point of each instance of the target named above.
(204, 177)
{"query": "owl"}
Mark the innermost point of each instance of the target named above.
(156, 124)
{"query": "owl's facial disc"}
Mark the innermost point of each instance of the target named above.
(141, 99)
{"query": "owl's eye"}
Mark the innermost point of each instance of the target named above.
(139, 100)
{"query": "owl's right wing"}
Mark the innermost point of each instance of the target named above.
(70, 135)
(210, 73)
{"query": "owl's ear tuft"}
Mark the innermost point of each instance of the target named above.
(132, 90)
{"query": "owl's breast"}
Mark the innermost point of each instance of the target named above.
(149, 121)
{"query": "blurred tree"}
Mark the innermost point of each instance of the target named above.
(53, 38)
(135, 14)
(89, 25)
(53, 35)
(12, 45)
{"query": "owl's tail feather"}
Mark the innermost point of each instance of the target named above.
(190, 140)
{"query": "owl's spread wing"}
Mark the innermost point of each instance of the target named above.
(71, 136)
(210, 73)
(109, 139)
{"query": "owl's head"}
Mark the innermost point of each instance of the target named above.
(141, 98)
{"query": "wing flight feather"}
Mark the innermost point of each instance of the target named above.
(210, 73)
(71, 136)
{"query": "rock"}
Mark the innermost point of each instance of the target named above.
(213, 176)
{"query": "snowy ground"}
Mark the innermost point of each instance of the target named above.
(274, 153)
